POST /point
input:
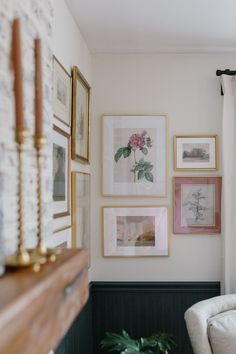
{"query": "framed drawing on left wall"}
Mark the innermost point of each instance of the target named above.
(61, 93)
(80, 116)
(61, 173)
(81, 210)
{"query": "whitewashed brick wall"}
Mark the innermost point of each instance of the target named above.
(36, 20)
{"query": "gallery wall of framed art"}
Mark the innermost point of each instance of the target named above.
(136, 167)
(71, 146)
(134, 164)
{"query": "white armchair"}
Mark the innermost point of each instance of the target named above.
(211, 325)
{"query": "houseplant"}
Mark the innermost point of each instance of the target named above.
(124, 344)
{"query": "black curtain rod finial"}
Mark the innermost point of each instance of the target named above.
(225, 72)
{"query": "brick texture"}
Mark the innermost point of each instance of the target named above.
(36, 20)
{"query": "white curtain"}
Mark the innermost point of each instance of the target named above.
(229, 183)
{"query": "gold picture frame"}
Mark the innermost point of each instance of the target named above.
(61, 187)
(81, 204)
(152, 129)
(133, 231)
(62, 90)
(80, 117)
(197, 205)
(195, 152)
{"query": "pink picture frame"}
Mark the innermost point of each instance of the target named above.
(197, 205)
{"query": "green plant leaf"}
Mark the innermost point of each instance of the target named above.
(149, 167)
(138, 167)
(124, 344)
(141, 174)
(149, 176)
(126, 151)
(118, 154)
(144, 150)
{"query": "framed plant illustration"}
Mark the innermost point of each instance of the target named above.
(61, 173)
(134, 155)
(81, 210)
(135, 231)
(80, 116)
(197, 205)
(195, 152)
(61, 93)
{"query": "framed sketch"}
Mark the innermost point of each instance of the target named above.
(81, 210)
(61, 173)
(61, 93)
(80, 116)
(135, 231)
(134, 155)
(195, 152)
(197, 205)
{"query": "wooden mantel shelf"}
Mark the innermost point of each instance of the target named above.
(37, 309)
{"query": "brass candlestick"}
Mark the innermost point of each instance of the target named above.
(40, 250)
(21, 258)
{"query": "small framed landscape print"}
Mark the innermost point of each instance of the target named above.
(61, 173)
(195, 152)
(135, 231)
(81, 210)
(61, 93)
(134, 155)
(80, 116)
(197, 205)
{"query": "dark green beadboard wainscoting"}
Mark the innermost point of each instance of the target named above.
(142, 308)
(78, 339)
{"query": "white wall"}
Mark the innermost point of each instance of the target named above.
(70, 49)
(186, 88)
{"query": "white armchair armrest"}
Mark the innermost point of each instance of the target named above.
(197, 316)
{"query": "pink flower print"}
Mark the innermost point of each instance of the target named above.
(136, 141)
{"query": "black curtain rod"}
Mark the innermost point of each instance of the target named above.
(225, 72)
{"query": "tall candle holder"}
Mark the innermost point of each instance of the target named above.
(21, 258)
(40, 250)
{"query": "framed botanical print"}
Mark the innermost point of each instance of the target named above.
(61, 93)
(81, 210)
(197, 205)
(80, 116)
(135, 231)
(195, 152)
(134, 155)
(61, 173)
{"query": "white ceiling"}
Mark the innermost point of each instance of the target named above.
(128, 26)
